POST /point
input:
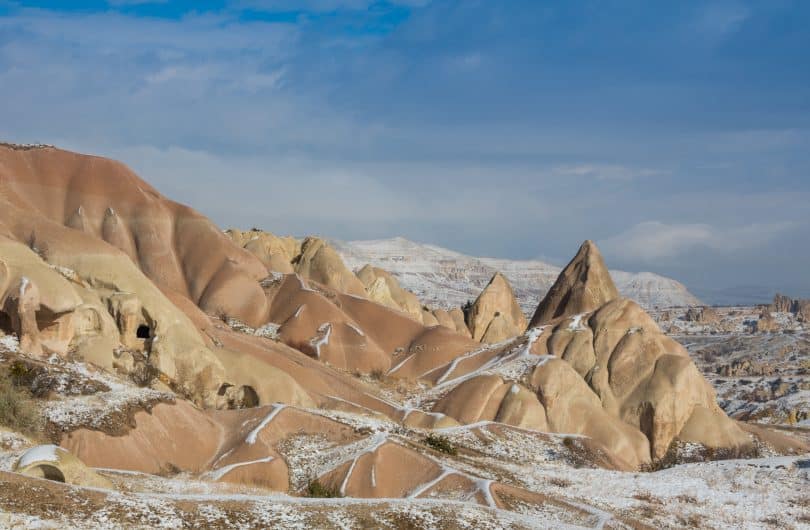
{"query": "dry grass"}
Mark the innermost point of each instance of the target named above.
(320, 491)
(18, 409)
(439, 443)
(559, 482)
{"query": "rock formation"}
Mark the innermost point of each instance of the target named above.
(295, 375)
(583, 285)
(495, 315)
(383, 288)
(766, 323)
(57, 464)
(785, 304)
(319, 262)
(703, 315)
(276, 253)
(613, 376)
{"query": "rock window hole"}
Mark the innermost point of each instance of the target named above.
(142, 332)
(50, 473)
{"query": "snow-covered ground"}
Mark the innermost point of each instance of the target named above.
(444, 278)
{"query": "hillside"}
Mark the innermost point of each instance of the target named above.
(444, 278)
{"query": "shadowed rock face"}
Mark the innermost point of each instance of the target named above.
(584, 285)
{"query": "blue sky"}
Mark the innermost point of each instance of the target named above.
(675, 134)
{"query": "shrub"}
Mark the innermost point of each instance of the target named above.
(319, 491)
(440, 443)
(18, 410)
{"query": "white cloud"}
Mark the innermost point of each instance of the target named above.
(652, 241)
(318, 5)
(605, 171)
(119, 3)
(722, 18)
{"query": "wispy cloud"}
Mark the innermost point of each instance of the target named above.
(606, 171)
(652, 241)
(499, 128)
(719, 19)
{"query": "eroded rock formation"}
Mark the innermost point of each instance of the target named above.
(583, 286)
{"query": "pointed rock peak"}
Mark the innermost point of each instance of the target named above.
(498, 279)
(583, 286)
(496, 301)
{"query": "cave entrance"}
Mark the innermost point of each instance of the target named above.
(48, 472)
(143, 332)
(5, 324)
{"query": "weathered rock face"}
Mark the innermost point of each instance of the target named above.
(276, 253)
(584, 285)
(766, 323)
(495, 315)
(803, 310)
(704, 315)
(55, 463)
(383, 288)
(319, 262)
(490, 398)
(785, 304)
(781, 304)
(641, 377)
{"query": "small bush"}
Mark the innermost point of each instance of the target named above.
(18, 410)
(559, 482)
(440, 443)
(317, 490)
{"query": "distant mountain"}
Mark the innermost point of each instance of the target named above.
(445, 278)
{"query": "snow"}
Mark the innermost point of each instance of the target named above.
(375, 443)
(253, 435)
(324, 331)
(356, 329)
(24, 282)
(40, 453)
(445, 279)
(221, 472)
(9, 343)
(576, 323)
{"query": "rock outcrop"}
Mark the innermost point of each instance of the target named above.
(383, 288)
(52, 462)
(276, 253)
(785, 304)
(583, 286)
(766, 323)
(495, 315)
(319, 262)
(608, 373)
(703, 315)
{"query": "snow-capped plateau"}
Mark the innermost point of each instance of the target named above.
(444, 278)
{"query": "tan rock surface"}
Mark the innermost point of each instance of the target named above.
(383, 288)
(583, 286)
(319, 262)
(495, 315)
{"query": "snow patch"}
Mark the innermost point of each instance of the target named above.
(40, 453)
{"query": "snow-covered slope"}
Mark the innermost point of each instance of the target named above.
(444, 278)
